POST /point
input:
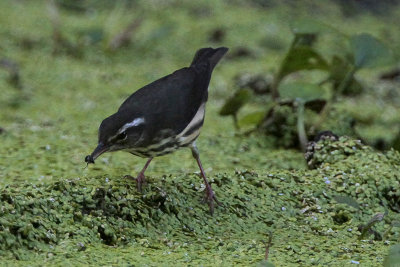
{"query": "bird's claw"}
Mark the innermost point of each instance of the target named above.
(140, 180)
(211, 199)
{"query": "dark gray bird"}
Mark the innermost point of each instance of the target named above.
(163, 116)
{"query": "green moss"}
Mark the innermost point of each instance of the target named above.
(327, 151)
(294, 206)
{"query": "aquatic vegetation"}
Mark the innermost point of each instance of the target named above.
(357, 52)
(74, 214)
(338, 207)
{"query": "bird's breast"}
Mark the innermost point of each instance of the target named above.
(157, 148)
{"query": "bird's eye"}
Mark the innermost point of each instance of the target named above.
(121, 136)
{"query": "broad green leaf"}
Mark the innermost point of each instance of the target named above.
(347, 200)
(393, 258)
(301, 58)
(339, 69)
(253, 118)
(369, 52)
(233, 104)
(304, 39)
(302, 91)
(310, 26)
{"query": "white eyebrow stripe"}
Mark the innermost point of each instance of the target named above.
(133, 123)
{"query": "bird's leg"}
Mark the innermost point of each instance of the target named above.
(210, 196)
(140, 179)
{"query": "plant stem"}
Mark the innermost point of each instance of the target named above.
(268, 245)
(274, 87)
(346, 80)
(343, 84)
(300, 126)
(235, 121)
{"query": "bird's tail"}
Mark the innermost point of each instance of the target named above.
(209, 54)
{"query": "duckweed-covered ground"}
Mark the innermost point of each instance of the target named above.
(85, 219)
(55, 212)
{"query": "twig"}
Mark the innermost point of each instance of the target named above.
(268, 245)
(125, 36)
(59, 41)
(366, 229)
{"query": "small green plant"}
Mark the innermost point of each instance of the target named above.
(366, 230)
(265, 262)
(360, 51)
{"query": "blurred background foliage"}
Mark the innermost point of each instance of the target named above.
(294, 68)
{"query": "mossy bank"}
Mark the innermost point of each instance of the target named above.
(83, 220)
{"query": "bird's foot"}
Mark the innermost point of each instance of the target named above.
(140, 180)
(211, 199)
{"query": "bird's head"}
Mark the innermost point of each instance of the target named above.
(116, 133)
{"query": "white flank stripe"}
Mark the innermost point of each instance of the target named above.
(196, 119)
(184, 140)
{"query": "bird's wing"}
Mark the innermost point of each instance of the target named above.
(171, 102)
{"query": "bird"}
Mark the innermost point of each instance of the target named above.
(162, 117)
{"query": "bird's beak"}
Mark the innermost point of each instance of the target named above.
(100, 149)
